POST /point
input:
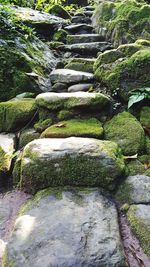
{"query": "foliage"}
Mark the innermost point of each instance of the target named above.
(138, 95)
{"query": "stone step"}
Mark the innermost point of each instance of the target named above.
(90, 49)
(84, 38)
(79, 28)
(68, 76)
(89, 8)
(77, 100)
(81, 19)
(84, 87)
(80, 64)
(70, 161)
(65, 227)
(86, 13)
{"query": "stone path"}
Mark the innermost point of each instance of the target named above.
(72, 226)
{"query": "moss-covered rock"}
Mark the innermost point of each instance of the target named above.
(41, 125)
(59, 11)
(75, 127)
(139, 219)
(80, 64)
(148, 145)
(25, 61)
(70, 161)
(60, 36)
(124, 69)
(124, 21)
(145, 116)
(16, 114)
(64, 115)
(27, 136)
(126, 131)
(135, 167)
(7, 147)
(69, 101)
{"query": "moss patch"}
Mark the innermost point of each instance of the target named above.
(139, 227)
(14, 115)
(145, 116)
(75, 127)
(41, 125)
(126, 131)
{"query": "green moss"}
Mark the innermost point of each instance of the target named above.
(60, 36)
(64, 115)
(75, 127)
(80, 65)
(14, 115)
(4, 161)
(127, 63)
(42, 125)
(17, 170)
(148, 145)
(27, 136)
(135, 167)
(124, 193)
(58, 11)
(78, 170)
(140, 229)
(145, 116)
(127, 132)
(54, 44)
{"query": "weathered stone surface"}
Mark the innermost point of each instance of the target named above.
(66, 229)
(124, 69)
(44, 23)
(80, 64)
(127, 132)
(59, 11)
(80, 87)
(77, 100)
(77, 28)
(25, 63)
(139, 219)
(80, 19)
(87, 48)
(84, 38)
(75, 127)
(70, 76)
(7, 147)
(135, 190)
(59, 87)
(15, 114)
(70, 161)
(122, 22)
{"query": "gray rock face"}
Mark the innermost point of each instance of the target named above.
(70, 161)
(66, 229)
(80, 19)
(135, 189)
(7, 147)
(84, 38)
(80, 87)
(70, 76)
(76, 100)
(87, 48)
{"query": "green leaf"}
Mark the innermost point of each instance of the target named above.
(135, 98)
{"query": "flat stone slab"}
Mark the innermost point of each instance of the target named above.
(91, 48)
(139, 219)
(76, 100)
(80, 64)
(73, 161)
(70, 76)
(80, 87)
(134, 190)
(75, 28)
(84, 38)
(66, 228)
(7, 147)
(80, 19)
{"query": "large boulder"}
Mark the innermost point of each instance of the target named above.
(77, 100)
(139, 219)
(7, 148)
(127, 132)
(70, 161)
(124, 69)
(66, 228)
(25, 61)
(122, 21)
(14, 115)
